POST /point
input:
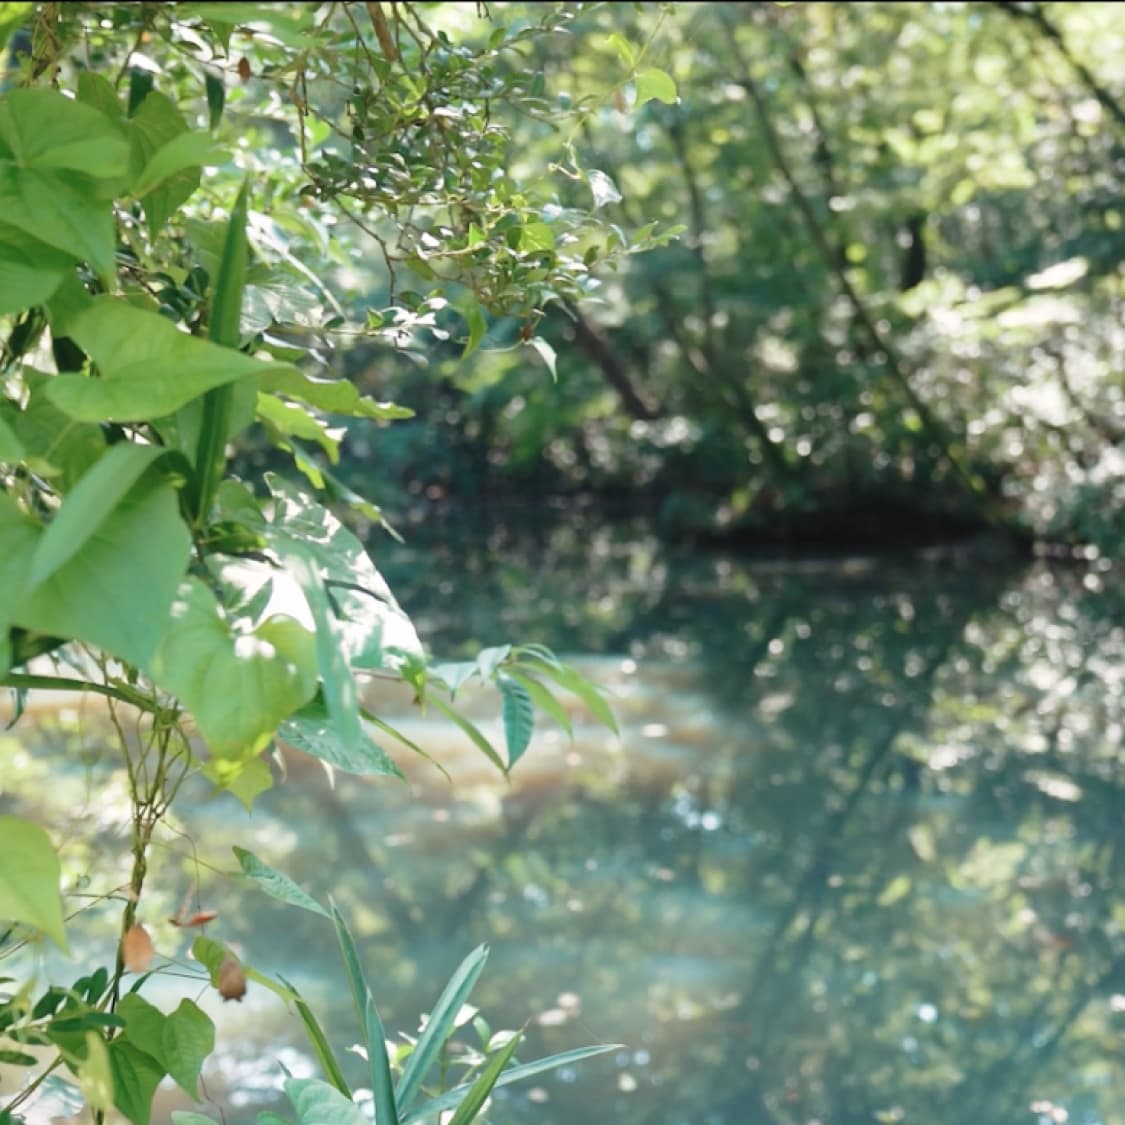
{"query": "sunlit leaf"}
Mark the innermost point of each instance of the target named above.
(652, 83)
(519, 717)
(29, 878)
(275, 884)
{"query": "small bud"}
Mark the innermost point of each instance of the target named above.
(232, 978)
(137, 950)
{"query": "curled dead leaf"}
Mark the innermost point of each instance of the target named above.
(137, 950)
(232, 978)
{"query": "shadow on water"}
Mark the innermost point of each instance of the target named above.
(853, 859)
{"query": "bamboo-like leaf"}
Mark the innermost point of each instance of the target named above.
(226, 309)
(577, 684)
(374, 1038)
(542, 698)
(451, 1098)
(473, 732)
(478, 1093)
(439, 1025)
(319, 1042)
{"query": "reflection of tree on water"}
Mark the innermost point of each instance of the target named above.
(912, 822)
(856, 861)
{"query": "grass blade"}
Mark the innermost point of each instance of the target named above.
(319, 1043)
(453, 1097)
(482, 1087)
(439, 1024)
(375, 1040)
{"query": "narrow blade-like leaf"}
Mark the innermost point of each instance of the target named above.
(430, 1110)
(438, 1026)
(473, 732)
(482, 1087)
(319, 1042)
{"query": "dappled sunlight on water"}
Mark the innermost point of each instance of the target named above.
(855, 856)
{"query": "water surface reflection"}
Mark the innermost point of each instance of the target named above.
(856, 856)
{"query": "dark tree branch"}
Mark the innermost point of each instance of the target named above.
(594, 343)
(935, 429)
(1034, 14)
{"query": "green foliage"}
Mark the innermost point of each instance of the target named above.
(148, 331)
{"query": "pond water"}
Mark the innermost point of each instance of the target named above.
(855, 857)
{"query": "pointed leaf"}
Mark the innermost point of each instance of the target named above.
(188, 1038)
(135, 1078)
(216, 96)
(313, 731)
(60, 209)
(472, 731)
(30, 270)
(546, 354)
(46, 130)
(275, 884)
(430, 1110)
(317, 1103)
(568, 678)
(334, 396)
(455, 674)
(117, 589)
(542, 698)
(603, 188)
(489, 659)
(187, 150)
(653, 83)
(240, 686)
(439, 1024)
(519, 717)
(88, 505)
(374, 1037)
(148, 367)
(29, 879)
(478, 1093)
(319, 1043)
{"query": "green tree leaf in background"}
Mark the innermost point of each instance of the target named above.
(29, 878)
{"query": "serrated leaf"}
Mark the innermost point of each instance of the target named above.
(88, 505)
(578, 685)
(276, 884)
(655, 84)
(519, 717)
(542, 698)
(29, 879)
(313, 731)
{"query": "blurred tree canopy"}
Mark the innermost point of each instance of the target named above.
(895, 305)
